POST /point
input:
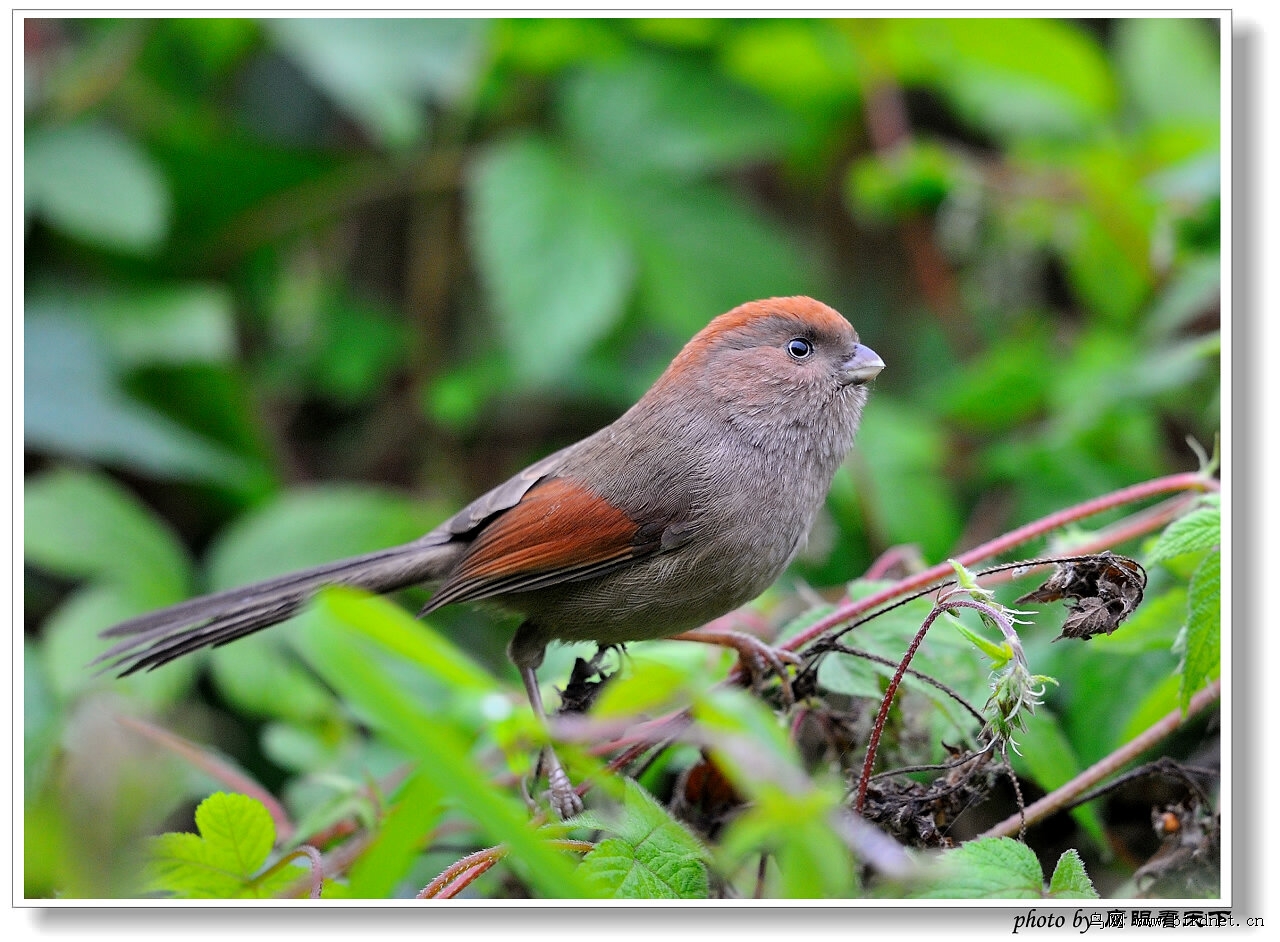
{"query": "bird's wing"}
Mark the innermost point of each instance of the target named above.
(560, 531)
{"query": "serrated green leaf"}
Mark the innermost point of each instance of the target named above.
(238, 830)
(1069, 880)
(988, 868)
(1195, 532)
(235, 838)
(652, 857)
(1203, 644)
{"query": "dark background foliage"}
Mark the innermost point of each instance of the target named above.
(297, 288)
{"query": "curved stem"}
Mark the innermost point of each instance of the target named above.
(1186, 481)
(462, 873)
(873, 742)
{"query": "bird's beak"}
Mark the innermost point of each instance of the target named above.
(861, 368)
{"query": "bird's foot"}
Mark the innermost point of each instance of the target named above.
(758, 658)
(564, 798)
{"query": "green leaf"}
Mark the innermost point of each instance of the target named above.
(345, 632)
(73, 405)
(704, 250)
(1012, 77)
(381, 70)
(165, 323)
(355, 349)
(803, 63)
(903, 453)
(987, 868)
(42, 725)
(1195, 532)
(1161, 699)
(1170, 68)
(1203, 644)
(552, 257)
(1051, 759)
(796, 831)
(913, 179)
(95, 184)
(663, 676)
(1069, 880)
(1106, 237)
(749, 744)
(259, 678)
(945, 654)
(399, 840)
(223, 860)
(84, 525)
(546, 46)
(652, 856)
(1005, 385)
(71, 640)
(690, 118)
(1194, 288)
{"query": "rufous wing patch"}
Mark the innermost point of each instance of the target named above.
(558, 532)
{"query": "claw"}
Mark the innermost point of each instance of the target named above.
(565, 800)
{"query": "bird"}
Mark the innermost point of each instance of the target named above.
(684, 508)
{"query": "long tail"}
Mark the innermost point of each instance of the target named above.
(159, 637)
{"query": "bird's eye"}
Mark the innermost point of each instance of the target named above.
(799, 348)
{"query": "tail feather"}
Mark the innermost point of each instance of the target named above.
(159, 637)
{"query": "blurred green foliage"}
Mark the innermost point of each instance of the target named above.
(266, 259)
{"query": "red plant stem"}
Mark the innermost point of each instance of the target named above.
(466, 878)
(873, 743)
(1185, 481)
(1061, 797)
(461, 873)
(215, 767)
(474, 864)
(316, 868)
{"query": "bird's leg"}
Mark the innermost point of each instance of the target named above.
(564, 799)
(757, 657)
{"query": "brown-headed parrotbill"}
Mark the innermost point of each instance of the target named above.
(687, 506)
